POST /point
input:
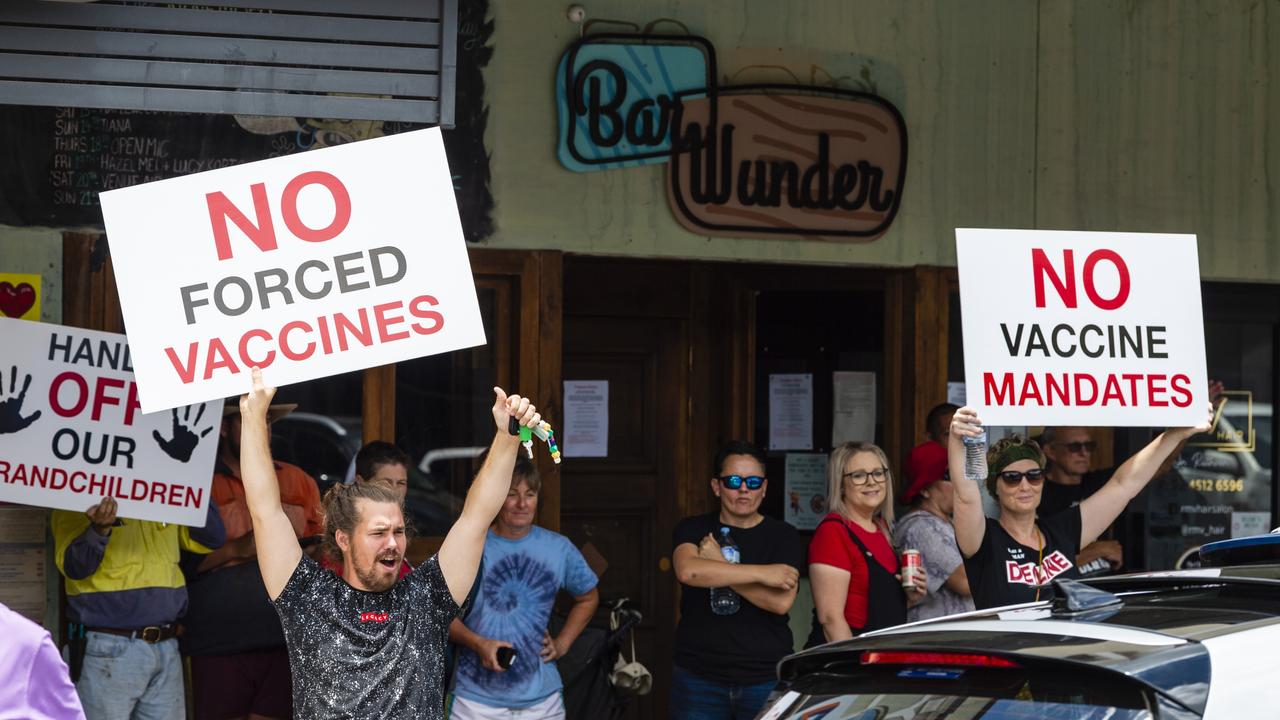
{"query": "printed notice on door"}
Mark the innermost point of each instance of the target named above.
(586, 418)
(791, 411)
(806, 489)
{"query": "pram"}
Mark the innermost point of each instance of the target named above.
(589, 693)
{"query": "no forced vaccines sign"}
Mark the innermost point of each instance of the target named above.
(307, 265)
(72, 430)
(1078, 328)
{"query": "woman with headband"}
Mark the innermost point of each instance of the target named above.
(1013, 558)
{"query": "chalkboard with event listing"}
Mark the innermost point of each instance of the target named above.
(55, 160)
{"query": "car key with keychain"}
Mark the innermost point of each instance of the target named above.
(544, 433)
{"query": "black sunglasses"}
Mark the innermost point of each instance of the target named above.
(1080, 446)
(1013, 478)
(735, 482)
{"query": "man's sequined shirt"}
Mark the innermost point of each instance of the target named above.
(356, 654)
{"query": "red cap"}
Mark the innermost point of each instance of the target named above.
(925, 466)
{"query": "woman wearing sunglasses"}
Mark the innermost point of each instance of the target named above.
(1011, 558)
(853, 567)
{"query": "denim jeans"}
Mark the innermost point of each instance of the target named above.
(696, 698)
(125, 679)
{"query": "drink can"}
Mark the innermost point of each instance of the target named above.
(911, 567)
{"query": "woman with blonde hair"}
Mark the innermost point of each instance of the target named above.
(853, 567)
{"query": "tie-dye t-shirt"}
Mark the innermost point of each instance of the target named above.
(513, 603)
(357, 654)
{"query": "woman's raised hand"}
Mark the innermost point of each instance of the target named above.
(966, 423)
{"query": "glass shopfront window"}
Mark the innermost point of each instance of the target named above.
(815, 334)
(323, 434)
(442, 421)
(1221, 484)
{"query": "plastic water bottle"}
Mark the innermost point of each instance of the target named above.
(724, 601)
(975, 457)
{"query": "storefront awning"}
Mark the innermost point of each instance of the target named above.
(339, 59)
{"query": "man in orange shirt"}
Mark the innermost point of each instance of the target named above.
(239, 665)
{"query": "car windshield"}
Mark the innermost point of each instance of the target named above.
(962, 693)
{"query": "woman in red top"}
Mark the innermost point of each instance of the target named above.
(853, 567)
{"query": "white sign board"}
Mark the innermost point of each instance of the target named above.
(586, 418)
(1079, 328)
(791, 411)
(72, 430)
(306, 265)
(806, 488)
(853, 412)
(1244, 524)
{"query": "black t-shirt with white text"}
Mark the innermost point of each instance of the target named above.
(1004, 571)
(357, 654)
(745, 647)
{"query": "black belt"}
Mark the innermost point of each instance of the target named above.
(152, 634)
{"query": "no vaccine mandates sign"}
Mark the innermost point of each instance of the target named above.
(1082, 328)
(306, 266)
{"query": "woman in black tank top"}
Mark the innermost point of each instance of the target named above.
(1013, 558)
(858, 497)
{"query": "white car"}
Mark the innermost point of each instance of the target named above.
(1201, 644)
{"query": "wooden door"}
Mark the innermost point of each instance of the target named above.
(625, 503)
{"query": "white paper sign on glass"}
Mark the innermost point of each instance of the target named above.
(1082, 328)
(307, 265)
(806, 489)
(853, 413)
(586, 418)
(791, 411)
(74, 433)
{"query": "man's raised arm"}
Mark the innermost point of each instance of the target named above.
(464, 545)
(278, 549)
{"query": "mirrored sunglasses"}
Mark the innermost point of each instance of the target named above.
(735, 482)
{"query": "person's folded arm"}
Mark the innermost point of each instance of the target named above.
(238, 550)
(771, 599)
(958, 582)
(700, 572)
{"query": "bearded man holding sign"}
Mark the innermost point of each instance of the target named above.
(370, 645)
